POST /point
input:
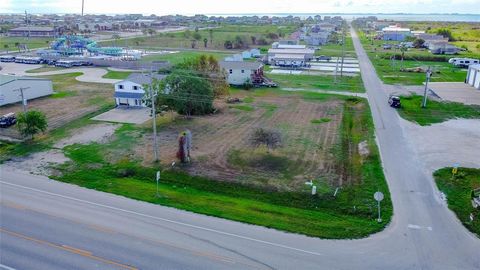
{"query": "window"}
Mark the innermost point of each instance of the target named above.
(243, 71)
(230, 71)
(120, 86)
(135, 87)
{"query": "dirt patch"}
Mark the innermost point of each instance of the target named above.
(38, 163)
(99, 133)
(306, 151)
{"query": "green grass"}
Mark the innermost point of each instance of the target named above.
(183, 39)
(120, 75)
(458, 191)
(322, 82)
(32, 43)
(351, 214)
(435, 112)
(335, 50)
(390, 72)
(246, 108)
(320, 120)
(179, 57)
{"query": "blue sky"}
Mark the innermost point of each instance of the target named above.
(244, 6)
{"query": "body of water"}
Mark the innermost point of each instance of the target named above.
(393, 17)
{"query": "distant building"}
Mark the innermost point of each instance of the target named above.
(279, 56)
(473, 76)
(239, 72)
(130, 92)
(395, 33)
(442, 47)
(32, 31)
(36, 87)
(430, 38)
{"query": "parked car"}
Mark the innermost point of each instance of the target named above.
(324, 58)
(394, 101)
(8, 120)
(387, 46)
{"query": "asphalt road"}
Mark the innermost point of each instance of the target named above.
(51, 225)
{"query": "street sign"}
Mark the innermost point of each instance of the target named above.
(378, 196)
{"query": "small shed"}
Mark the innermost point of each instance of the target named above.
(473, 76)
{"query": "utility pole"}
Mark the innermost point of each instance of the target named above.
(343, 51)
(82, 6)
(152, 96)
(427, 79)
(24, 101)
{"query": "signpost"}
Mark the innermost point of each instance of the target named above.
(158, 179)
(455, 169)
(378, 196)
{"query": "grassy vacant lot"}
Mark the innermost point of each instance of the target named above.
(71, 100)
(323, 82)
(335, 50)
(32, 43)
(458, 191)
(179, 57)
(216, 40)
(390, 71)
(436, 112)
(120, 75)
(251, 185)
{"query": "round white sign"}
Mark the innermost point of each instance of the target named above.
(378, 196)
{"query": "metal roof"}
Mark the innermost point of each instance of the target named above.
(143, 78)
(292, 51)
(32, 28)
(240, 65)
(5, 78)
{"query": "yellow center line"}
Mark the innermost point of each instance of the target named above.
(80, 252)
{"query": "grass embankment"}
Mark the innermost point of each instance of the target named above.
(351, 214)
(44, 68)
(216, 38)
(322, 82)
(390, 71)
(435, 112)
(458, 190)
(119, 75)
(179, 57)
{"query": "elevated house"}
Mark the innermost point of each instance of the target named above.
(130, 92)
(442, 47)
(240, 72)
(290, 57)
(395, 33)
(431, 38)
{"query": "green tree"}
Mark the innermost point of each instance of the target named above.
(197, 36)
(205, 42)
(418, 43)
(209, 68)
(5, 46)
(31, 123)
(186, 93)
(446, 33)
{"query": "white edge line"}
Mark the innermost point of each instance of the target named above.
(3, 266)
(166, 220)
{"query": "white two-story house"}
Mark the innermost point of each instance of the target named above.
(130, 91)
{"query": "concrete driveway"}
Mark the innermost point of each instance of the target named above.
(93, 75)
(125, 115)
(457, 92)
